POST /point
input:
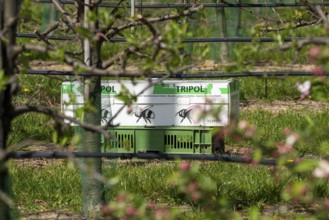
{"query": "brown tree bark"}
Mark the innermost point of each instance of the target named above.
(92, 189)
(8, 18)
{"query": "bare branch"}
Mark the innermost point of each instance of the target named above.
(149, 25)
(68, 21)
(115, 30)
(82, 3)
(301, 24)
(5, 198)
(316, 13)
(53, 26)
(76, 63)
(127, 51)
(323, 17)
(117, 6)
(301, 43)
(41, 37)
(311, 9)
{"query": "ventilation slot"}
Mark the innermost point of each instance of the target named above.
(123, 141)
(178, 142)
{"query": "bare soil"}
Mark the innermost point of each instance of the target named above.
(52, 215)
(207, 65)
(278, 106)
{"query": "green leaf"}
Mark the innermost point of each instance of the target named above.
(55, 137)
(92, 16)
(306, 165)
(3, 80)
(257, 155)
(84, 32)
(253, 213)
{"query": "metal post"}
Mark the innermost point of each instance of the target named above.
(132, 8)
(221, 18)
(266, 87)
(132, 13)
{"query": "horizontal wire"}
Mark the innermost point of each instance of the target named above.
(147, 156)
(188, 40)
(212, 74)
(207, 5)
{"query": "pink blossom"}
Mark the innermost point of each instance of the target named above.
(246, 156)
(121, 198)
(287, 131)
(106, 209)
(304, 89)
(317, 70)
(249, 133)
(254, 163)
(292, 139)
(150, 205)
(192, 187)
(195, 196)
(238, 137)
(196, 113)
(129, 110)
(162, 213)
(322, 171)
(131, 210)
(287, 146)
(284, 148)
(326, 203)
(243, 124)
(314, 53)
(208, 101)
(185, 166)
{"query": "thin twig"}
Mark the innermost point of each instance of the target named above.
(301, 43)
(113, 31)
(323, 17)
(68, 21)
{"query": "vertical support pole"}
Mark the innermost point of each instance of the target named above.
(132, 8)
(224, 22)
(49, 16)
(221, 18)
(266, 87)
(132, 13)
(191, 26)
(92, 188)
(8, 21)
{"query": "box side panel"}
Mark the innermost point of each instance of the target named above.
(234, 106)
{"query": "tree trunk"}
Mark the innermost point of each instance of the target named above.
(92, 189)
(221, 18)
(8, 16)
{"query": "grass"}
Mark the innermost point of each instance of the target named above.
(45, 188)
(272, 89)
(57, 186)
(271, 126)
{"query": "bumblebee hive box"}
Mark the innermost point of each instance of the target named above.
(189, 103)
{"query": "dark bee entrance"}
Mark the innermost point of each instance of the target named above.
(218, 144)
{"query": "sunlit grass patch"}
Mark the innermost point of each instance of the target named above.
(58, 186)
(271, 126)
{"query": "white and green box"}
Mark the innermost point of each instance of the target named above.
(192, 103)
